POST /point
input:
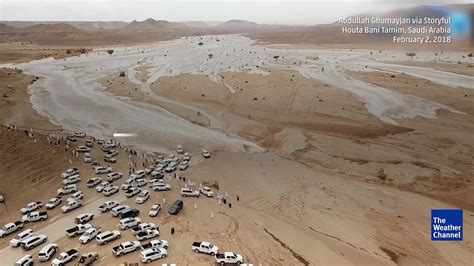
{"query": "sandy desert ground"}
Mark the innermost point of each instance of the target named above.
(297, 134)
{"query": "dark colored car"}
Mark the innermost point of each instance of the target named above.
(130, 213)
(176, 207)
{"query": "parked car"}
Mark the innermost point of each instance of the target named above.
(132, 192)
(176, 207)
(73, 179)
(171, 167)
(183, 166)
(125, 248)
(162, 187)
(129, 213)
(147, 234)
(143, 226)
(107, 236)
(155, 244)
(101, 186)
(10, 228)
(15, 242)
(108, 205)
(99, 170)
(32, 206)
(69, 172)
(129, 222)
(83, 149)
(77, 230)
(116, 211)
(33, 241)
(179, 149)
(229, 258)
(155, 210)
(79, 134)
(113, 176)
(93, 182)
(71, 205)
(157, 174)
(112, 153)
(26, 260)
(47, 252)
(89, 234)
(138, 174)
(84, 218)
(206, 191)
(34, 217)
(187, 156)
(205, 154)
(78, 195)
(65, 257)
(110, 159)
(53, 203)
(188, 192)
(108, 191)
(142, 197)
(138, 182)
(67, 189)
(205, 247)
(88, 258)
(87, 157)
(89, 143)
(152, 254)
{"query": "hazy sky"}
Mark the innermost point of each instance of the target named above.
(262, 11)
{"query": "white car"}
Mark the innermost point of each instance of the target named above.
(67, 189)
(53, 203)
(15, 242)
(152, 254)
(138, 182)
(69, 172)
(147, 234)
(171, 167)
(205, 247)
(188, 192)
(83, 149)
(32, 206)
(183, 166)
(113, 176)
(89, 234)
(143, 226)
(138, 174)
(130, 222)
(157, 174)
(47, 252)
(118, 210)
(179, 149)
(206, 191)
(71, 205)
(87, 157)
(229, 258)
(205, 154)
(107, 236)
(162, 187)
(187, 156)
(112, 153)
(33, 241)
(79, 134)
(34, 217)
(155, 210)
(73, 179)
(142, 197)
(26, 260)
(93, 182)
(155, 244)
(84, 218)
(65, 257)
(132, 192)
(79, 195)
(126, 247)
(108, 205)
(102, 186)
(108, 191)
(99, 170)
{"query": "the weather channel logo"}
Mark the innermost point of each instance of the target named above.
(446, 225)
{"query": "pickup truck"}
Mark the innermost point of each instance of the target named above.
(107, 206)
(78, 230)
(93, 182)
(15, 242)
(126, 247)
(84, 218)
(32, 206)
(155, 244)
(188, 192)
(69, 172)
(99, 170)
(73, 179)
(229, 258)
(88, 259)
(34, 217)
(206, 191)
(65, 257)
(142, 226)
(10, 228)
(147, 234)
(71, 205)
(205, 247)
(89, 234)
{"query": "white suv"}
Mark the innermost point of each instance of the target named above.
(107, 237)
(152, 254)
(33, 241)
(129, 222)
(47, 252)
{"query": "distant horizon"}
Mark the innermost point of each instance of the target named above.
(302, 12)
